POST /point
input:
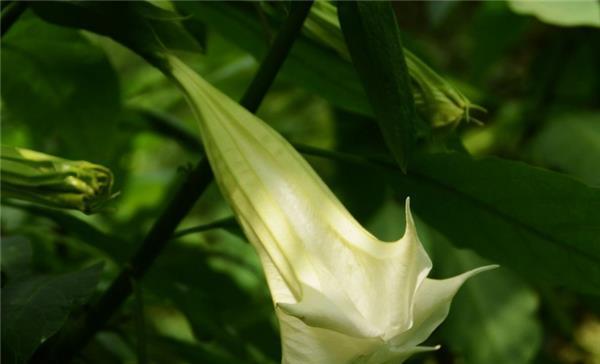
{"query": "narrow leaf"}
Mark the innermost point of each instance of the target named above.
(374, 43)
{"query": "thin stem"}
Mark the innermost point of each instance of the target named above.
(140, 322)
(10, 14)
(276, 55)
(73, 337)
(219, 224)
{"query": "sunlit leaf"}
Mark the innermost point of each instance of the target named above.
(62, 87)
(560, 12)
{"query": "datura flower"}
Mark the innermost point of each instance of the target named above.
(341, 295)
(53, 181)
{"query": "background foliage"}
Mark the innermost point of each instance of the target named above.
(522, 190)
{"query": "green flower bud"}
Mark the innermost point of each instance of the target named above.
(48, 180)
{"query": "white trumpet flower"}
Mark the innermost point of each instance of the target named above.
(341, 295)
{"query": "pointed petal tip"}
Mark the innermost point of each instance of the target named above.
(476, 271)
(410, 222)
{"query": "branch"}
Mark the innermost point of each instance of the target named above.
(74, 336)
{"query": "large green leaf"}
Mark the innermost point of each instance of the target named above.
(542, 224)
(492, 319)
(373, 39)
(571, 143)
(62, 87)
(35, 308)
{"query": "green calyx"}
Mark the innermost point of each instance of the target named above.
(437, 101)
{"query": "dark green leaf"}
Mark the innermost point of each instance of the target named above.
(35, 308)
(373, 40)
(139, 25)
(542, 224)
(62, 87)
(114, 247)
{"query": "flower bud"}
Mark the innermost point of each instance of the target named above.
(48, 180)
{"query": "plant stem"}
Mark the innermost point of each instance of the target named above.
(10, 14)
(73, 337)
(277, 53)
(218, 224)
(140, 323)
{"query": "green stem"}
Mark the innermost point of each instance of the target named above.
(222, 223)
(74, 336)
(276, 55)
(140, 323)
(10, 14)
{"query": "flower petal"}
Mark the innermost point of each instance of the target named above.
(330, 312)
(432, 304)
(303, 344)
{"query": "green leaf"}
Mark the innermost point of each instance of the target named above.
(570, 143)
(373, 40)
(560, 12)
(221, 291)
(35, 308)
(542, 224)
(492, 319)
(144, 28)
(309, 65)
(62, 87)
